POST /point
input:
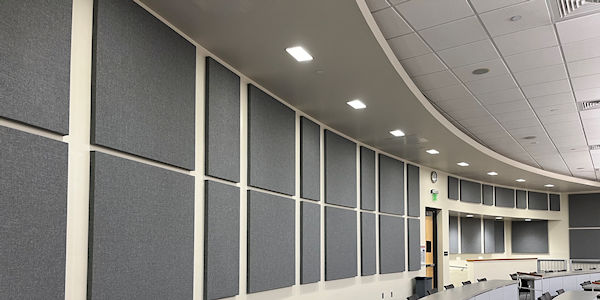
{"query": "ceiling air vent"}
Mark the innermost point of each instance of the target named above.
(594, 147)
(587, 105)
(567, 7)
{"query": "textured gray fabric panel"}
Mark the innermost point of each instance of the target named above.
(143, 88)
(221, 240)
(368, 247)
(33, 216)
(489, 236)
(310, 242)
(538, 201)
(529, 237)
(414, 244)
(222, 131)
(505, 197)
(340, 170)
(583, 210)
(271, 242)
(470, 191)
(35, 64)
(413, 191)
(452, 188)
(367, 178)
(391, 185)
(584, 243)
(499, 236)
(141, 231)
(521, 199)
(453, 234)
(271, 143)
(470, 235)
(310, 159)
(554, 202)
(391, 244)
(340, 243)
(487, 192)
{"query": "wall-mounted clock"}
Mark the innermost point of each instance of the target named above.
(434, 176)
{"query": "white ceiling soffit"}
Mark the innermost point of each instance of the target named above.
(536, 96)
(250, 37)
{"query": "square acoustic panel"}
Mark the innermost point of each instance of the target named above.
(143, 89)
(529, 237)
(487, 192)
(221, 240)
(413, 189)
(310, 159)
(505, 197)
(368, 244)
(538, 201)
(584, 243)
(391, 244)
(391, 185)
(470, 235)
(340, 170)
(367, 178)
(310, 242)
(452, 188)
(271, 242)
(470, 191)
(583, 210)
(414, 244)
(222, 130)
(33, 216)
(554, 202)
(35, 64)
(340, 243)
(271, 143)
(141, 240)
(521, 199)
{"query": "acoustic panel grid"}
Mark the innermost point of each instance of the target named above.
(340, 243)
(413, 190)
(391, 185)
(310, 159)
(340, 170)
(414, 244)
(367, 179)
(391, 244)
(310, 242)
(368, 252)
(530, 237)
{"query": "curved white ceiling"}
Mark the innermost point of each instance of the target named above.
(351, 60)
(541, 69)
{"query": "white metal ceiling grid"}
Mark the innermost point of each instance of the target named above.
(538, 69)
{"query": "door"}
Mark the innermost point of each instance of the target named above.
(431, 245)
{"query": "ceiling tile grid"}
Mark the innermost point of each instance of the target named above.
(533, 71)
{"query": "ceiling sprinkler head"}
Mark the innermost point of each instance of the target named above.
(515, 18)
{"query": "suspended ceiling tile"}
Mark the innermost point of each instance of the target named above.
(492, 84)
(468, 54)
(584, 67)
(534, 59)
(534, 13)
(448, 93)
(519, 123)
(507, 106)
(526, 40)
(535, 131)
(541, 75)
(496, 68)
(585, 174)
(567, 117)
(564, 128)
(551, 100)
(515, 115)
(427, 13)
(455, 33)
(408, 45)
(487, 5)
(391, 23)
(435, 80)
(556, 109)
(580, 28)
(502, 96)
(377, 4)
(424, 64)
(592, 115)
(587, 95)
(586, 82)
(580, 159)
(581, 50)
(547, 88)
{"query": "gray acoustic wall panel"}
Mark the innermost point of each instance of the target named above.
(499, 236)
(340, 243)
(521, 199)
(452, 188)
(143, 86)
(271, 143)
(221, 240)
(470, 235)
(489, 236)
(222, 128)
(413, 191)
(583, 210)
(368, 252)
(33, 216)
(271, 242)
(505, 197)
(453, 234)
(391, 244)
(310, 159)
(391, 185)
(584, 243)
(340, 170)
(310, 242)
(35, 65)
(470, 191)
(538, 201)
(554, 202)
(529, 237)
(367, 178)
(141, 241)
(487, 192)
(414, 244)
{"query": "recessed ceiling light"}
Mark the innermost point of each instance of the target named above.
(549, 185)
(499, 218)
(397, 132)
(515, 18)
(463, 164)
(299, 54)
(492, 173)
(520, 180)
(480, 71)
(356, 104)
(527, 220)
(469, 216)
(432, 151)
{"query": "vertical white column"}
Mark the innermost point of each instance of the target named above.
(243, 184)
(297, 202)
(198, 174)
(79, 155)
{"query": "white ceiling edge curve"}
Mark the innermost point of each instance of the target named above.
(255, 49)
(442, 119)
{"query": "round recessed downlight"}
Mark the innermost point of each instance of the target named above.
(515, 18)
(480, 71)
